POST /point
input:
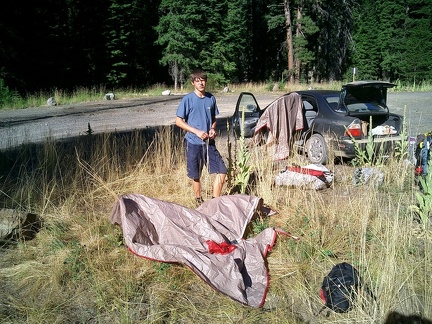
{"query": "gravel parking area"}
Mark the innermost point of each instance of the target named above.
(33, 125)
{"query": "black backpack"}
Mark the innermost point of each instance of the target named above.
(339, 287)
(422, 153)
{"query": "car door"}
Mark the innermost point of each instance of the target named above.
(327, 120)
(247, 113)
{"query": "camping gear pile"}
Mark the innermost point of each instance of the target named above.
(422, 153)
(311, 176)
(209, 240)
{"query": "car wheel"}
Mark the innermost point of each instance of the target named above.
(317, 149)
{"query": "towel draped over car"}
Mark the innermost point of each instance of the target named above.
(281, 120)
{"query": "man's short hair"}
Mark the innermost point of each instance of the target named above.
(198, 74)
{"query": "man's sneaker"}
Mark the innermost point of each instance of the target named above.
(199, 201)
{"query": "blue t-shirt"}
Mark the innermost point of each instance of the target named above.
(198, 113)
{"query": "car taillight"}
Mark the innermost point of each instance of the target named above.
(354, 129)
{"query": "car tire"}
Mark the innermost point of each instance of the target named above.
(316, 149)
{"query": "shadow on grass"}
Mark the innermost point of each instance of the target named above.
(58, 158)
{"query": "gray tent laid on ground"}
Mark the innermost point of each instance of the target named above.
(209, 240)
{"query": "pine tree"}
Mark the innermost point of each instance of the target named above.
(366, 55)
(415, 61)
(391, 20)
(181, 33)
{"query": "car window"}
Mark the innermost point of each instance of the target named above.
(333, 102)
(365, 100)
(307, 105)
(248, 104)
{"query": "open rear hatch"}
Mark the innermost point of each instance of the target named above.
(367, 101)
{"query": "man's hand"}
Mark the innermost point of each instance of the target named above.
(202, 135)
(212, 133)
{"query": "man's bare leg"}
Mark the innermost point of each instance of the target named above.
(196, 186)
(218, 184)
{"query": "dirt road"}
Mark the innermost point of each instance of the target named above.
(33, 125)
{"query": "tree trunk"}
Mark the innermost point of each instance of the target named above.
(174, 72)
(289, 40)
(298, 34)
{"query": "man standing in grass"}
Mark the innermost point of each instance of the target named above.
(196, 115)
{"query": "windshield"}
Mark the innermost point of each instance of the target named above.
(364, 99)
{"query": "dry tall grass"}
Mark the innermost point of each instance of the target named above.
(77, 269)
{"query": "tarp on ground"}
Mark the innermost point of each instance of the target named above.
(209, 240)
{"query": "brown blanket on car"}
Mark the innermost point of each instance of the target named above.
(281, 119)
(209, 240)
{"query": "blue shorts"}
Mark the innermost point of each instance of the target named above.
(196, 158)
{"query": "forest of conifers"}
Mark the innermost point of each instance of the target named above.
(65, 44)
